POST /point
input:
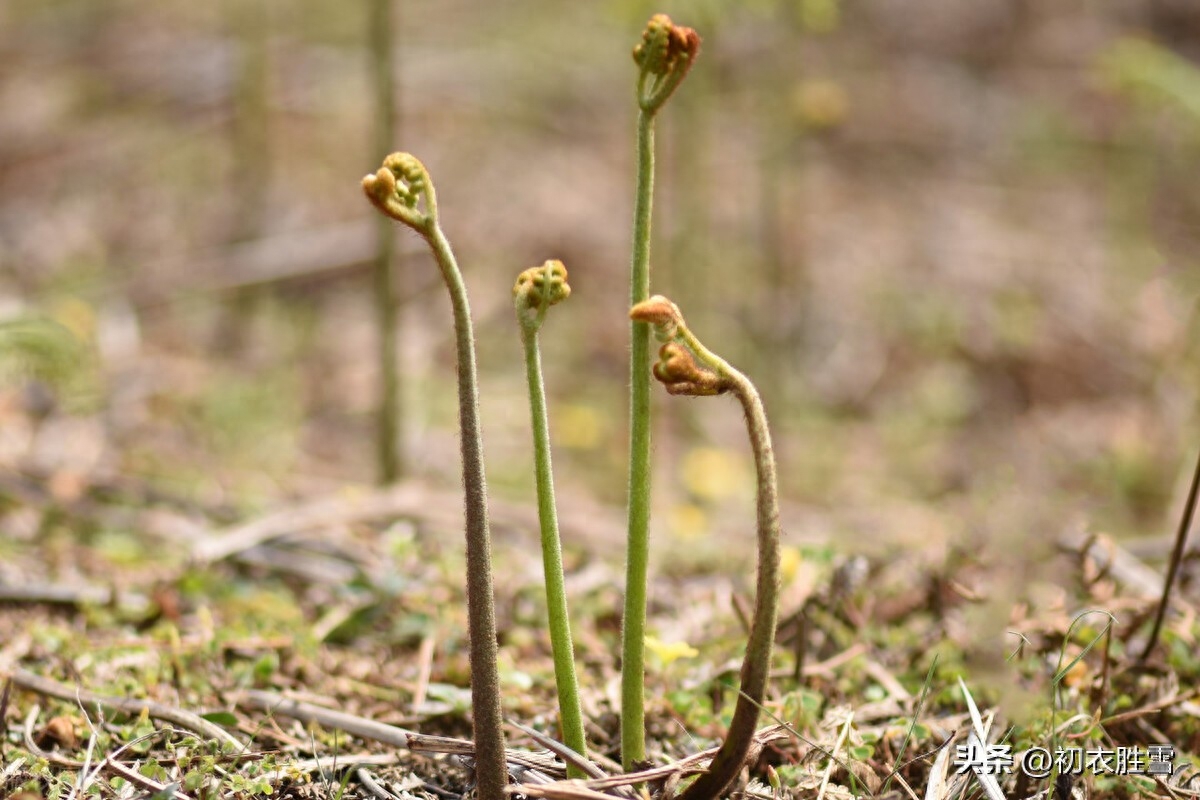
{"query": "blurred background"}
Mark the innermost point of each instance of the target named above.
(953, 240)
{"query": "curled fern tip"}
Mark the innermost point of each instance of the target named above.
(679, 373)
(398, 187)
(664, 56)
(546, 284)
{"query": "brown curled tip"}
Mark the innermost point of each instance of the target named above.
(663, 44)
(678, 371)
(657, 310)
(685, 41)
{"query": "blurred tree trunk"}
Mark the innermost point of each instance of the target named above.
(686, 273)
(248, 22)
(780, 222)
(390, 422)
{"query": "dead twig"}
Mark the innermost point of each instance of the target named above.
(111, 763)
(1181, 534)
(562, 751)
(364, 728)
(352, 724)
(74, 596)
(686, 766)
(1116, 560)
(414, 500)
(138, 779)
(562, 790)
(1151, 708)
(374, 787)
(538, 762)
(32, 746)
(125, 705)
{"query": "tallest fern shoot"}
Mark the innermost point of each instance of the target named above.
(665, 55)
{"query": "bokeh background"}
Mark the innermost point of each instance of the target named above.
(954, 241)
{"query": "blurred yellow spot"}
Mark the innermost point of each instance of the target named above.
(688, 521)
(352, 494)
(820, 104)
(820, 16)
(76, 316)
(578, 426)
(711, 473)
(790, 559)
(669, 652)
(1077, 675)
(205, 624)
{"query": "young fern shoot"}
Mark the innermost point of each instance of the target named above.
(665, 55)
(537, 289)
(687, 367)
(403, 190)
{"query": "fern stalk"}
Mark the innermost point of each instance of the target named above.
(664, 57)
(536, 290)
(402, 189)
(687, 367)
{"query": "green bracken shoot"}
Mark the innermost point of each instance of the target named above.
(403, 190)
(665, 55)
(687, 367)
(536, 290)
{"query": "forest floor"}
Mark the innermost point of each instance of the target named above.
(955, 245)
(152, 646)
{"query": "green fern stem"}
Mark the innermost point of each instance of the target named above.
(531, 304)
(664, 56)
(637, 554)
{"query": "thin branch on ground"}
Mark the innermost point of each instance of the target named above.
(125, 705)
(1181, 535)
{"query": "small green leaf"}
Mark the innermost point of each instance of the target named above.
(193, 780)
(223, 718)
(861, 752)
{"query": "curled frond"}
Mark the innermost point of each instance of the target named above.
(686, 366)
(678, 371)
(398, 187)
(538, 288)
(660, 312)
(544, 285)
(664, 56)
(652, 54)
(657, 310)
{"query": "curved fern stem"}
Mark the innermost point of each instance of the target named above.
(402, 189)
(687, 367)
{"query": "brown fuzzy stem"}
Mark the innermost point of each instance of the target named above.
(403, 190)
(686, 366)
(756, 667)
(491, 771)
